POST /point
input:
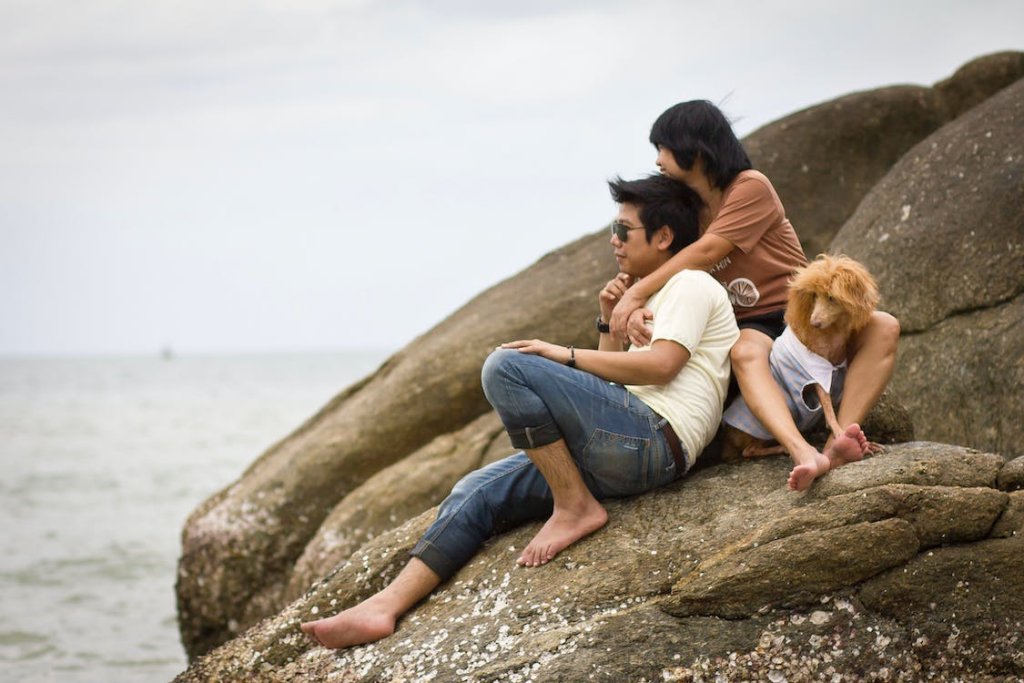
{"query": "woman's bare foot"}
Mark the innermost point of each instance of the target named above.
(562, 529)
(364, 623)
(810, 465)
(850, 446)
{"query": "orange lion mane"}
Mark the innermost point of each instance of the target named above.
(846, 281)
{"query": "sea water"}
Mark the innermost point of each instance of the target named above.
(102, 461)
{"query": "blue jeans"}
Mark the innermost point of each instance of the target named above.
(615, 439)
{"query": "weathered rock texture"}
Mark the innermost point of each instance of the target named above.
(239, 547)
(333, 486)
(393, 496)
(824, 159)
(943, 233)
(979, 79)
(888, 564)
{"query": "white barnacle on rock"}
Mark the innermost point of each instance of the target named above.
(818, 617)
(845, 605)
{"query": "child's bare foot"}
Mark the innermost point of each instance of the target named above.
(850, 446)
(561, 530)
(810, 465)
(364, 623)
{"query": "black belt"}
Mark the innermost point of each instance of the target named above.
(677, 449)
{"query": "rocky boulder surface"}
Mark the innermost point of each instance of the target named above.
(395, 495)
(979, 79)
(239, 547)
(943, 233)
(390, 446)
(823, 160)
(905, 566)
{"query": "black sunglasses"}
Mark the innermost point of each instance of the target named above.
(621, 230)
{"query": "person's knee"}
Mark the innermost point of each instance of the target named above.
(746, 352)
(879, 339)
(887, 330)
(498, 365)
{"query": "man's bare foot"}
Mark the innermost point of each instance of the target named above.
(850, 446)
(561, 530)
(364, 623)
(810, 465)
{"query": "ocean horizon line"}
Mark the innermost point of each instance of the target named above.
(171, 353)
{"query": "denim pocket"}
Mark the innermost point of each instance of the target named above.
(617, 463)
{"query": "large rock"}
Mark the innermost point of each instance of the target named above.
(823, 160)
(962, 380)
(943, 234)
(239, 547)
(390, 498)
(979, 79)
(1012, 476)
(844, 578)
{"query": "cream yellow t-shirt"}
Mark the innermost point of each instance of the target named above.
(692, 309)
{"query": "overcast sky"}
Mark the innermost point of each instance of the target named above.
(219, 175)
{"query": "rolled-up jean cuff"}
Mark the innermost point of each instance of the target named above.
(438, 562)
(534, 437)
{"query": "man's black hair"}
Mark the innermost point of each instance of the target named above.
(660, 200)
(699, 127)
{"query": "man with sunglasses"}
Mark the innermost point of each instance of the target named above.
(592, 424)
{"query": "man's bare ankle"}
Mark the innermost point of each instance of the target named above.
(579, 507)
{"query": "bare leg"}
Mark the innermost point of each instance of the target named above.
(375, 617)
(576, 512)
(872, 361)
(766, 402)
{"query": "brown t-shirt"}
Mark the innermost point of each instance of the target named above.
(757, 272)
